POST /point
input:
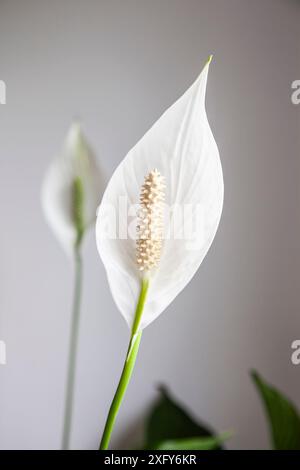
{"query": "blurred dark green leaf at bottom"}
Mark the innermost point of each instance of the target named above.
(170, 427)
(282, 414)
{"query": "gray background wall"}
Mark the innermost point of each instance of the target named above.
(117, 65)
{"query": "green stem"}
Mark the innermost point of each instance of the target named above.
(133, 348)
(72, 351)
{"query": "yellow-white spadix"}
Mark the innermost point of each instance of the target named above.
(150, 222)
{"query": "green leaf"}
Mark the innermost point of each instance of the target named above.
(168, 421)
(194, 443)
(283, 416)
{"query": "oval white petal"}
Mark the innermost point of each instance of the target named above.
(182, 147)
(75, 160)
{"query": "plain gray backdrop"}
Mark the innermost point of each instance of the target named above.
(117, 64)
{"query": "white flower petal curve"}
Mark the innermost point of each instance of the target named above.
(182, 147)
(76, 160)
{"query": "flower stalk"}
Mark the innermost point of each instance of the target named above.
(77, 213)
(131, 355)
(69, 396)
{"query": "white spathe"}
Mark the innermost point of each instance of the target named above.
(75, 160)
(182, 147)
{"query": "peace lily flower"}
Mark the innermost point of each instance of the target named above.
(70, 195)
(175, 164)
(71, 190)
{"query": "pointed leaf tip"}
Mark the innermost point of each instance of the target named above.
(283, 416)
(168, 421)
(210, 58)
